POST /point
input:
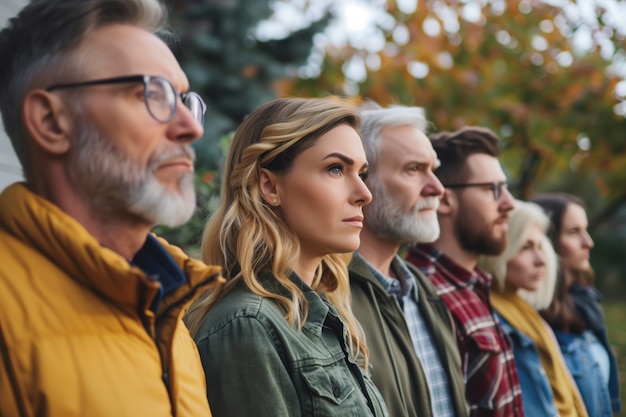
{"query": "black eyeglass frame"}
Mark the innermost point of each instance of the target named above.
(145, 79)
(496, 187)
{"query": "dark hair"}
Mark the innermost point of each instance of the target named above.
(561, 313)
(453, 148)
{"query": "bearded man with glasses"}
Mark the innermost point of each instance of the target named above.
(99, 113)
(473, 217)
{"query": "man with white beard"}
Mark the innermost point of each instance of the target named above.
(473, 217)
(410, 336)
(99, 113)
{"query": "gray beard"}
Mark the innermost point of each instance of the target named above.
(387, 220)
(117, 187)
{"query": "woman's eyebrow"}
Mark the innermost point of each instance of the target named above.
(344, 158)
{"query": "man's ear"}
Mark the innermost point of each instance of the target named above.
(447, 202)
(48, 121)
(269, 187)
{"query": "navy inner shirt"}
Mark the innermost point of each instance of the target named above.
(158, 265)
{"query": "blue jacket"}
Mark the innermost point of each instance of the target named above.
(536, 391)
(601, 400)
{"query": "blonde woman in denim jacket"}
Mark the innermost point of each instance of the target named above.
(280, 339)
(524, 276)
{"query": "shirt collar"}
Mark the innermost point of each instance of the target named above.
(404, 282)
(452, 271)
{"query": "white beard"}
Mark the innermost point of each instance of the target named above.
(386, 218)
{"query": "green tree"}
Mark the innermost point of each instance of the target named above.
(226, 62)
(235, 72)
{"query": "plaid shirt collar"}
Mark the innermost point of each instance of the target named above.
(492, 382)
(426, 255)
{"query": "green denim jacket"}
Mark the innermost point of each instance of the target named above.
(256, 364)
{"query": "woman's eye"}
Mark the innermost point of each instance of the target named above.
(364, 176)
(335, 170)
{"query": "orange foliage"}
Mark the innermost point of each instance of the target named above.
(499, 80)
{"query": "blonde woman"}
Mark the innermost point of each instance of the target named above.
(524, 278)
(280, 339)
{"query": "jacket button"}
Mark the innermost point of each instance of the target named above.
(336, 391)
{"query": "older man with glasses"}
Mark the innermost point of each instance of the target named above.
(99, 113)
(473, 217)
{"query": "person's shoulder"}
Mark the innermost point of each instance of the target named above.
(363, 283)
(195, 269)
(241, 305)
(239, 302)
(19, 261)
(358, 269)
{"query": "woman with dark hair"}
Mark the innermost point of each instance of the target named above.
(575, 313)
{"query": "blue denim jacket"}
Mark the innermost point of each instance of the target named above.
(256, 364)
(586, 372)
(536, 391)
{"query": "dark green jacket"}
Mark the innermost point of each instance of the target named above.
(256, 364)
(396, 370)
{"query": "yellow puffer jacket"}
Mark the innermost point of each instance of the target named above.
(77, 336)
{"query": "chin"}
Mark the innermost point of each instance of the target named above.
(346, 247)
(583, 267)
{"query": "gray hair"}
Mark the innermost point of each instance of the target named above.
(374, 118)
(37, 45)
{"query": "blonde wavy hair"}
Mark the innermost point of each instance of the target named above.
(522, 217)
(247, 235)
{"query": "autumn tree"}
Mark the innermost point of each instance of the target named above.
(545, 78)
(508, 65)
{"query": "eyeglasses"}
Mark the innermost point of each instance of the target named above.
(159, 95)
(496, 187)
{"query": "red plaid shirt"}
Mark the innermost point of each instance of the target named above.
(491, 384)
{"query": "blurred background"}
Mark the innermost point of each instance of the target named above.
(548, 76)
